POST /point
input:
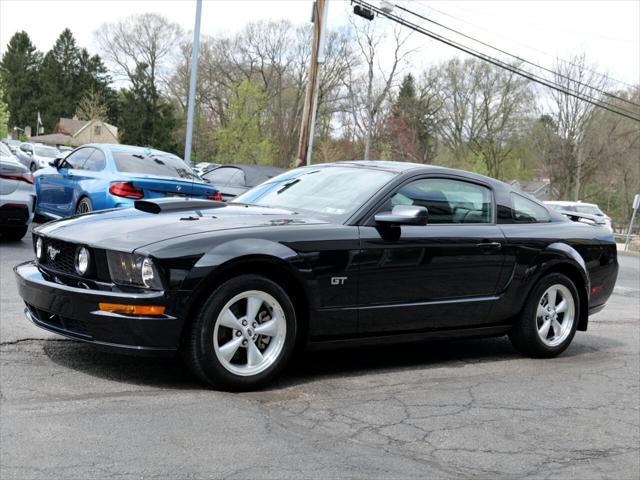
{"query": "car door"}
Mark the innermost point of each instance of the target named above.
(222, 178)
(59, 188)
(438, 276)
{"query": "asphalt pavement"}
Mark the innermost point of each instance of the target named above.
(439, 410)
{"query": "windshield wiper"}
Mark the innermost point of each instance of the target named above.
(288, 185)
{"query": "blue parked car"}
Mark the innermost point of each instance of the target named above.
(101, 176)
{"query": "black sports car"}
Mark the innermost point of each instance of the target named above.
(348, 252)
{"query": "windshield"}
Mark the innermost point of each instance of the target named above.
(334, 192)
(161, 165)
(4, 151)
(48, 152)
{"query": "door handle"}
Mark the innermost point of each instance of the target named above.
(490, 245)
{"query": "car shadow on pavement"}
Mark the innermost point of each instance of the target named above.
(307, 367)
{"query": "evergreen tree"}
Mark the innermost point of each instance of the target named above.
(19, 76)
(67, 75)
(145, 117)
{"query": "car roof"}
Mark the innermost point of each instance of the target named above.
(568, 202)
(118, 147)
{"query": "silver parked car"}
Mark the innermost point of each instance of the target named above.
(17, 196)
(582, 207)
(36, 155)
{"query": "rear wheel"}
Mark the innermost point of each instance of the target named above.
(243, 335)
(84, 206)
(14, 233)
(549, 319)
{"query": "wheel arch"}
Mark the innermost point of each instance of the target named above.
(564, 259)
(274, 268)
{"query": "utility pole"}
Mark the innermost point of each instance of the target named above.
(192, 83)
(320, 10)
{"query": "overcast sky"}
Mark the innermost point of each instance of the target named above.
(607, 31)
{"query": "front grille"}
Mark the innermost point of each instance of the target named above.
(59, 255)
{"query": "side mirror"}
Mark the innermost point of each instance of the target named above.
(56, 162)
(29, 152)
(403, 215)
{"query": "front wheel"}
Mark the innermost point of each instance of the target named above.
(549, 319)
(243, 335)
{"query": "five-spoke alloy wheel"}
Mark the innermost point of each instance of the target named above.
(243, 335)
(549, 318)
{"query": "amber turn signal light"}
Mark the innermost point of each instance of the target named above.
(132, 309)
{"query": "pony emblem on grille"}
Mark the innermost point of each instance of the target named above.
(52, 252)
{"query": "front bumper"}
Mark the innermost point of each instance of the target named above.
(73, 312)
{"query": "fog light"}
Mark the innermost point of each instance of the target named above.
(39, 248)
(82, 261)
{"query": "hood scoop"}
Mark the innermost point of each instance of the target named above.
(161, 205)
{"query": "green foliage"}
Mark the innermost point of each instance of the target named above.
(4, 115)
(19, 76)
(241, 139)
(145, 117)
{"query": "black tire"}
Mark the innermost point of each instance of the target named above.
(525, 336)
(84, 206)
(198, 349)
(14, 233)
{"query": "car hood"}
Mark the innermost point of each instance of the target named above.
(128, 229)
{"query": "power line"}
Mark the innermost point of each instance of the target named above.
(516, 56)
(498, 63)
(555, 57)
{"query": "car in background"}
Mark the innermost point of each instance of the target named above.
(17, 196)
(36, 155)
(12, 144)
(203, 167)
(234, 180)
(581, 207)
(102, 176)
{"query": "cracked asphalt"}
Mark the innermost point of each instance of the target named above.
(434, 410)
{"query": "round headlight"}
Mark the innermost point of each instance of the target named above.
(147, 273)
(39, 248)
(82, 260)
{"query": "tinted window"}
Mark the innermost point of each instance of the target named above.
(333, 192)
(26, 148)
(528, 211)
(76, 159)
(448, 201)
(223, 176)
(162, 165)
(96, 162)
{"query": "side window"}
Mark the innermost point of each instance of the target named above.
(448, 201)
(528, 211)
(76, 159)
(221, 176)
(96, 161)
(26, 148)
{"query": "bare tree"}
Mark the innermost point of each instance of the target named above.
(369, 87)
(148, 39)
(572, 117)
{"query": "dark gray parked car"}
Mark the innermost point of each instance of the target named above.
(233, 180)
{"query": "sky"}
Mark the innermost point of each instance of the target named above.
(608, 32)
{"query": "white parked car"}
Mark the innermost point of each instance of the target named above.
(17, 196)
(581, 207)
(36, 155)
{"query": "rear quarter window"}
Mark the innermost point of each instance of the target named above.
(527, 211)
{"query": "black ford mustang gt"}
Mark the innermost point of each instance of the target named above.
(346, 252)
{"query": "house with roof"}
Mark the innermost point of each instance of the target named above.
(72, 132)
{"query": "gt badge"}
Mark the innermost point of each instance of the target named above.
(338, 280)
